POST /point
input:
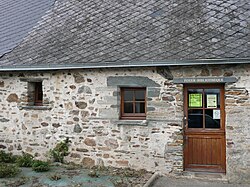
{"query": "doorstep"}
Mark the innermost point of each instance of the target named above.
(206, 176)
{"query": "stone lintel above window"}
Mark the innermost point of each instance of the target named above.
(33, 79)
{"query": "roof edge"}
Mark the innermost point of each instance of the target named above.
(124, 64)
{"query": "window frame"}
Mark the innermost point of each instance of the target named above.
(133, 116)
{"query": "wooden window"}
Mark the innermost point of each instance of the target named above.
(133, 103)
(38, 94)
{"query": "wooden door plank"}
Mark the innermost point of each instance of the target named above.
(209, 152)
(214, 152)
(198, 151)
(190, 156)
(218, 152)
(194, 143)
(205, 151)
(204, 146)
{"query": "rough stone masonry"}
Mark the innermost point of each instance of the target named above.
(84, 105)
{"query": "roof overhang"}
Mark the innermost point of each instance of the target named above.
(124, 64)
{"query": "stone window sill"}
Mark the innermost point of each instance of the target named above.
(132, 122)
(35, 107)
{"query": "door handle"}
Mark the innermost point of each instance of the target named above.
(185, 121)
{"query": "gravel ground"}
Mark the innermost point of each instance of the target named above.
(75, 176)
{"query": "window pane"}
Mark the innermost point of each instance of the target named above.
(128, 95)
(212, 98)
(139, 107)
(195, 118)
(39, 91)
(128, 107)
(195, 98)
(212, 120)
(140, 95)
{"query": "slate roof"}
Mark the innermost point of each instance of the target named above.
(17, 18)
(117, 31)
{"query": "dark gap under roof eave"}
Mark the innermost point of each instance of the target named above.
(127, 64)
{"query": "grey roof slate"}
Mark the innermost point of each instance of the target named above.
(17, 18)
(98, 31)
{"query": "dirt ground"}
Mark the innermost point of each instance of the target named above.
(75, 176)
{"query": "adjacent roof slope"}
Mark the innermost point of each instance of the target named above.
(98, 31)
(17, 18)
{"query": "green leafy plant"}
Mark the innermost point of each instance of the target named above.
(7, 157)
(120, 182)
(60, 151)
(25, 160)
(93, 173)
(72, 166)
(15, 182)
(40, 166)
(8, 170)
(55, 177)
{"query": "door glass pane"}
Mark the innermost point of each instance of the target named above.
(195, 118)
(195, 98)
(139, 107)
(140, 95)
(128, 107)
(212, 98)
(128, 95)
(212, 119)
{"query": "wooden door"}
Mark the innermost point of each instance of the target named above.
(204, 128)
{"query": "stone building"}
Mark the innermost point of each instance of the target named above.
(153, 84)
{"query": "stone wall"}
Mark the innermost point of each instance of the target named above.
(238, 126)
(84, 106)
